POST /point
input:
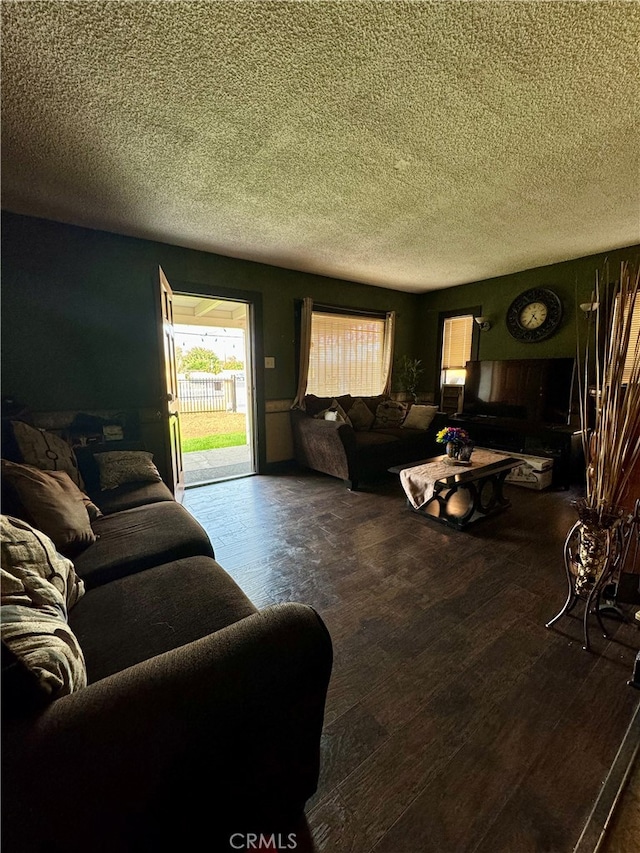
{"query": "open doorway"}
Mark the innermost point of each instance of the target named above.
(213, 361)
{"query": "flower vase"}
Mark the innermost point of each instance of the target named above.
(453, 449)
(465, 452)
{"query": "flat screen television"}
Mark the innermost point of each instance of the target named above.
(537, 390)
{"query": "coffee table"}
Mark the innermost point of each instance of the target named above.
(457, 495)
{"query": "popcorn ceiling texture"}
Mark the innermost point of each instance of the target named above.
(412, 145)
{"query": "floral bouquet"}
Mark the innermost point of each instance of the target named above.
(455, 435)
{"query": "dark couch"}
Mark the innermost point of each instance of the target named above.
(202, 715)
(356, 455)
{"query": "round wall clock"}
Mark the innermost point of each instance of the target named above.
(534, 315)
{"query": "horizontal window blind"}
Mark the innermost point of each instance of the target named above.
(347, 355)
(457, 333)
(634, 337)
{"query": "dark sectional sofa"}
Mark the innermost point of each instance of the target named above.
(355, 455)
(202, 715)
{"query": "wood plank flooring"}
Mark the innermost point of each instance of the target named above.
(455, 721)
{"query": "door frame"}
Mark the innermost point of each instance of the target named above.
(253, 300)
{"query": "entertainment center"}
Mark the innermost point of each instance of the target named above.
(525, 406)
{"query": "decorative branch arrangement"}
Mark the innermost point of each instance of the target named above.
(612, 446)
(597, 543)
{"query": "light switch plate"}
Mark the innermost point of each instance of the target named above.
(269, 361)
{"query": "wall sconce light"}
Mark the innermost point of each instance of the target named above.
(484, 323)
(589, 307)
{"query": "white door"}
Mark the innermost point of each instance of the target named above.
(171, 403)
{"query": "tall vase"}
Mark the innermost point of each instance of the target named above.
(592, 555)
(595, 547)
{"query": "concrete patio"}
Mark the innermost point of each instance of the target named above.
(207, 466)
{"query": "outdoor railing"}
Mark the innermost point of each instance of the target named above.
(211, 395)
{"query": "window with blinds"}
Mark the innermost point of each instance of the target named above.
(457, 335)
(346, 356)
(634, 337)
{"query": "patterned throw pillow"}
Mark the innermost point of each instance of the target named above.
(118, 467)
(54, 504)
(335, 412)
(361, 416)
(419, 417)
(389, 415)
(26, 550)
(39, 586)
(46, 451)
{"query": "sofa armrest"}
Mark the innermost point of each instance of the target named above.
(326, 446)
(211, 737)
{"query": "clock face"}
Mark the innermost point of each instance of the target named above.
(534, 315)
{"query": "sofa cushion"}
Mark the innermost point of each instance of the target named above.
(88, 466)
(39, 586)
(375, 438)
(389, 414)
(139, 538)
(53, 504)
(131, 495)
(122, 497)
(373, 402)
(118, 467)
(360, 415)
(163, 608)
(46, 451)
(419, 417)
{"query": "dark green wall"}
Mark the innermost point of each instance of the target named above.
(79, 313)
(573, 281)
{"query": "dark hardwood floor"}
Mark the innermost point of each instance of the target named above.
(455, 720)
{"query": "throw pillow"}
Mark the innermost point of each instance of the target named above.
(118, 467)
(420, 417)
(335, 412)
(24, 550)
(361, 416)
(389, 415)
(38, 588)
(46, 451)
(54, 504)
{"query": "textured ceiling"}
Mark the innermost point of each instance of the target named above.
(412, 145)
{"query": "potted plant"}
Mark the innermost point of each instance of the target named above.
(409, 372)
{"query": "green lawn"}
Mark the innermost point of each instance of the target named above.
(211, 442)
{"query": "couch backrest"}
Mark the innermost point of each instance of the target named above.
(314, 405)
